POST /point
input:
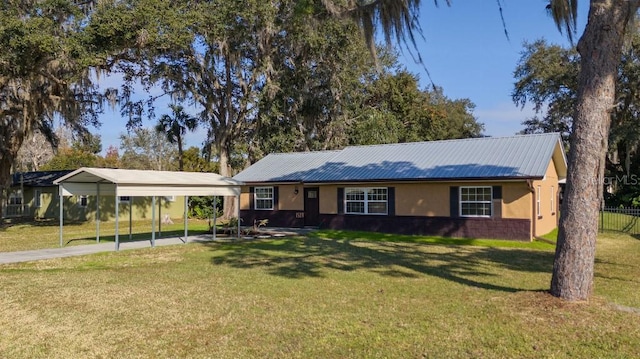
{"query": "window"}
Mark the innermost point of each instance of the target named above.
(365, 200)
(475, 201)
(125, 199)
(83, 201)
(37, 198)
(263, 198)
(553, 201)
(15, 198)
(538, 211)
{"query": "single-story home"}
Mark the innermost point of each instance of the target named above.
(492, 187)
(34, 195)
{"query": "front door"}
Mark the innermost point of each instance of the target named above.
(311, 206)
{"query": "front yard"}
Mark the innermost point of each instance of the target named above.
(329, 295)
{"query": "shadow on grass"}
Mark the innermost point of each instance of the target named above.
(309, 256)
(135, 237)
(7, 223)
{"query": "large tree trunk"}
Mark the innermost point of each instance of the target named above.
(600, 49)
(229, 205)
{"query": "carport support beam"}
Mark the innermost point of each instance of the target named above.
(61, 216)
(117, 221)
(153, 222)
(238, 213)
(98, 212)
(130, 216)
(215, 215)
(186, 218)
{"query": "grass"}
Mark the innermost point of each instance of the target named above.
(619, 222)
(19, 236)
(329, 295)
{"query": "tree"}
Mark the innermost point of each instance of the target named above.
(111, 158)
(322, 67)
(547, 75)
(83, 152)
(44, 72)
(147, 149)
(395, 109)
(600, 48)
(36, 150)
(175, 128)
(195, 162)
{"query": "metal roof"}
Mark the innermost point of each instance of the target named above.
(37, 178)
(125, 182)
(522, 156)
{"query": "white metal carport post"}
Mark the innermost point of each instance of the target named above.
(117, 215)
(61, 213)
(186, 218)
(98, 212)
(153, 222)
(238, 212)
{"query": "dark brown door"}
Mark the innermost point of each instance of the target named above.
(311, 206)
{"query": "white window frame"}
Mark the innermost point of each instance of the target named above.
(461, 201)
(83, 201)
(124, 199)
(367, 191)
(538, 202)
(262, 195)
(37, 198)
(15, 198)
(553, 201)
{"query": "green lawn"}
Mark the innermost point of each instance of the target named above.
(46, 234)
(328, 295)
(621, 222)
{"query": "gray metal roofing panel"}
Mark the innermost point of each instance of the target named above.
(285, 167)
(489, 157)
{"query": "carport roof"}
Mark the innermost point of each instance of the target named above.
(126, 182)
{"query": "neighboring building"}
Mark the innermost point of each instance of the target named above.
(34, 195)
(493, 187)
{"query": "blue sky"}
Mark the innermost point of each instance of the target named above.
(467, 54)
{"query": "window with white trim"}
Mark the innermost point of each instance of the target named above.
(366, 200)
(37, 198)
(553, 200)
(83, 201)
(263, 198)
(125, 198)
(538, 206)
(15, 198)
(475, 201)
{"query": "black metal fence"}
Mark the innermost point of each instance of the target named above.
(626, 220)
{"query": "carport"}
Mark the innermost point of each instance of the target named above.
(140, 183)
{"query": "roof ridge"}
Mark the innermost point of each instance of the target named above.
(302, 152)
(486, 138)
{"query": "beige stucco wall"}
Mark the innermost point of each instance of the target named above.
(412, 199)
(432, 199)
(288, 200)
(328, 199)
(548, 218)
